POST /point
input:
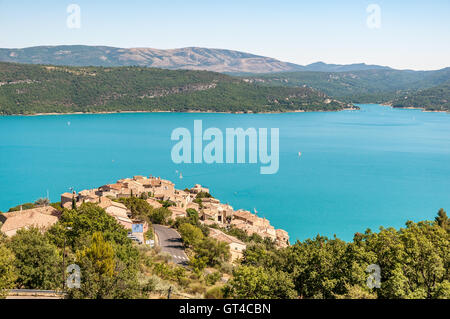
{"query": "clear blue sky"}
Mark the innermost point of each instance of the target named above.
(413, 34)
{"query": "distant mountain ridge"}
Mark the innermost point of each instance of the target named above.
(324, 67)
(192, 58)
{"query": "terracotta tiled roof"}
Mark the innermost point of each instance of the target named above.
(106, 202)
(119, 205)
(221, 236)
(41, 217)
(116, 186)
(154, 203)
(245, 215)
(176, 211)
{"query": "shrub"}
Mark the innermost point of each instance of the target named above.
(212, 278)
(214, 293)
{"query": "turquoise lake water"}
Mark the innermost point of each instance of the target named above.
(358, 169)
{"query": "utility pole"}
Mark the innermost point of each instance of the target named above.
(64, 265)
(64, 260)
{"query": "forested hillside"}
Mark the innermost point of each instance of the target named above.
(345, 84)
(425, 89)
(30, 89)
(434, 99)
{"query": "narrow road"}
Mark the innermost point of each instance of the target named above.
(170, 242)
(34, 294)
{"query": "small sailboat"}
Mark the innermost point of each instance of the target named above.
(256, 212)
(181, 176)
(299, 154)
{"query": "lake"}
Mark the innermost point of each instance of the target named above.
(358, 169)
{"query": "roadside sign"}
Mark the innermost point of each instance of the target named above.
(137, 228)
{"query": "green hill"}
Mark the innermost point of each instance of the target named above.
(373, 86)
(434, 99)
(30, 89)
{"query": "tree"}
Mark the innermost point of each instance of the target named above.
(319, 267)
(138, 207)
(83, 223)
(258, 255)
(92, 234)
(203, 195)
(103, 274)
(442, 219)
(74, 203)
(8, 273)
(198, 264)
(426, 260)
(37, 260)
(213, 277)
(192, 214)
(357, 292)
(251, 282)
(414, 260)
(100, 254)
(143, 196)
(191, 235)
(167, 203)
(160, 216)
(215, 251)
(42, 202)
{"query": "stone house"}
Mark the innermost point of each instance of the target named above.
(177, 212)
(236, 246)
(41, 217)
(199, 188)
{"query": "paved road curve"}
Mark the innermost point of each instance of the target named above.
(170, 242)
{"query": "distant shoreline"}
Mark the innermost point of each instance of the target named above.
(414, 108)
(217, 112)
(189, 111)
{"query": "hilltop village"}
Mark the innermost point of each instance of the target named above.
(156, 192)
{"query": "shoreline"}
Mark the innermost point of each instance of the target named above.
(218, 112)
(189, 111)
(414, 108)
